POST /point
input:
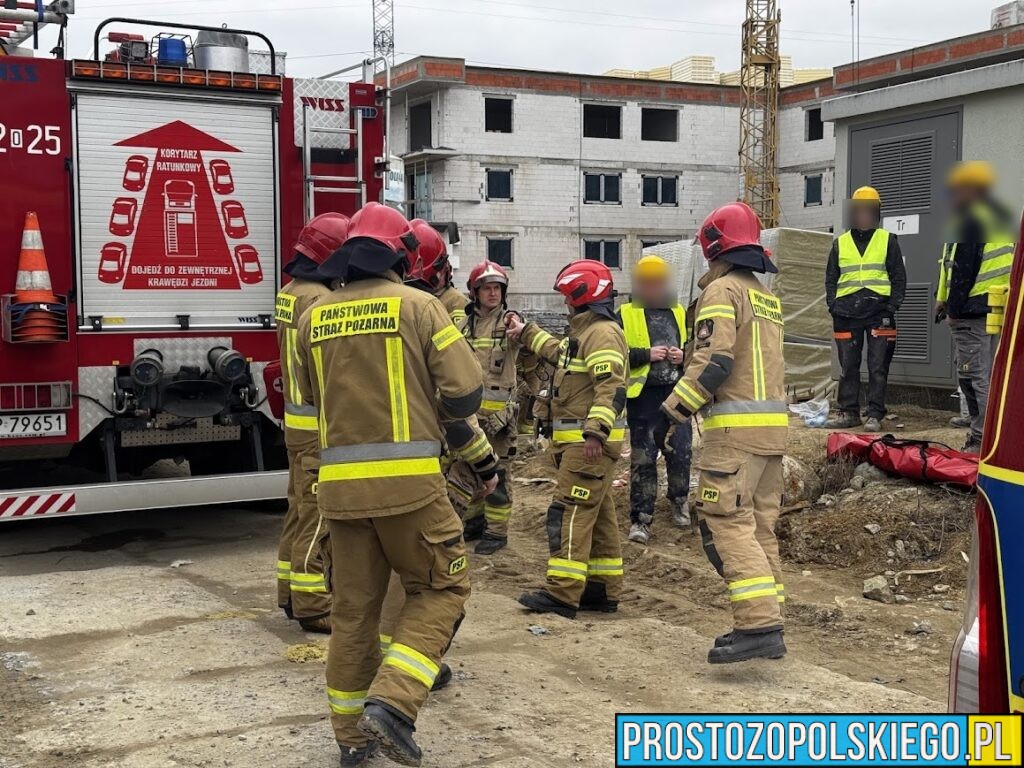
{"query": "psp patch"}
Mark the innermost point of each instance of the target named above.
(457, 565)
(705, 328)
(580, 493)
(709, 494)
(603, 369)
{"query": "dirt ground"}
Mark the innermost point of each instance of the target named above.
(150, 640)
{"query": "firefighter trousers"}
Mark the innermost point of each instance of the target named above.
(301, 583)
(739, 498)
(426, 549)
(583, 532)
(497, 507)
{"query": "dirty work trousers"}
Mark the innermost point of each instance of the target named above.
(739, 498)
(975, 352)
(583, 533)
(425, 548)
(851, 335)
(300, 570)
(642, 414)
(497, 508)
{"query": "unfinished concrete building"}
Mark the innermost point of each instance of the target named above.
(539, 168)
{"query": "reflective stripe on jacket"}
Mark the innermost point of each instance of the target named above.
(589, 385)
(386, 368)
(300, 425)
(857, 271)
(736, 375)
(634, 324)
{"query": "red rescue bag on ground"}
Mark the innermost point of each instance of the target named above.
(915, 459)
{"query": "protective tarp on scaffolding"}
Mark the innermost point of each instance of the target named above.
(800, 285)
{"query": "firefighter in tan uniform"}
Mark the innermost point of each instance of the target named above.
(386, 368)
(301, 587)
(735, 378)
(499, 357)
(587, 429)
(437, 274)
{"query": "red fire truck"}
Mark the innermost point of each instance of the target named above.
(168, 195)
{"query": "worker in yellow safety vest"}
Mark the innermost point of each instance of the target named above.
(976, 260)
(736, 379)
(655, 326)
(302, 588)
(865, 282)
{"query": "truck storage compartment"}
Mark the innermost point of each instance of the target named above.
(176, 211)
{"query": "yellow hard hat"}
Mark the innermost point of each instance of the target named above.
(651, 267)
(977, 174)
(866, 195)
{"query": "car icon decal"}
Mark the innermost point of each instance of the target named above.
(122, 216)
(135, 169)
(112, 261)
(235, 225)
(247, 262)
(220, 173)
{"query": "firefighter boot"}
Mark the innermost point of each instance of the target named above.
(444, 677)
(725, 639)
(542, 602)
(746, 645)
(394, 732)
(728, 638)
(474, 528)
(489, 544)
(595, 598)
(321, 626)
(352, 757)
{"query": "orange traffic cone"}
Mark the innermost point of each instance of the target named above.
(33, 283)
(37, 314)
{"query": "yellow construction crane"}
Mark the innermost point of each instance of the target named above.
(759, 128)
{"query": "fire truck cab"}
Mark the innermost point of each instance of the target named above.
(987, 669)
(169, 180)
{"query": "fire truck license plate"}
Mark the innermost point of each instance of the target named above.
(33, 425)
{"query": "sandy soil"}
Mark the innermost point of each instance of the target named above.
(110, 656)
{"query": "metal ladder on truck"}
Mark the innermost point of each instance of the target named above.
(314, 183)
(22, 19)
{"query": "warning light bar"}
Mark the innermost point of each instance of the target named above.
(164, 75)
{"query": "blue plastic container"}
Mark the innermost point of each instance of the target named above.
(172, 52)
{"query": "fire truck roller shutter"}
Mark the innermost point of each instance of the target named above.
(176, 210)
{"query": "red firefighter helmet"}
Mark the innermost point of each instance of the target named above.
(584, 282)
(732, 226)
(487, 272)
(429, 264)
(322, 236)
(385, 225)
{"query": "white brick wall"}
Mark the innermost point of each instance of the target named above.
(799, 158)
(547, 154)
